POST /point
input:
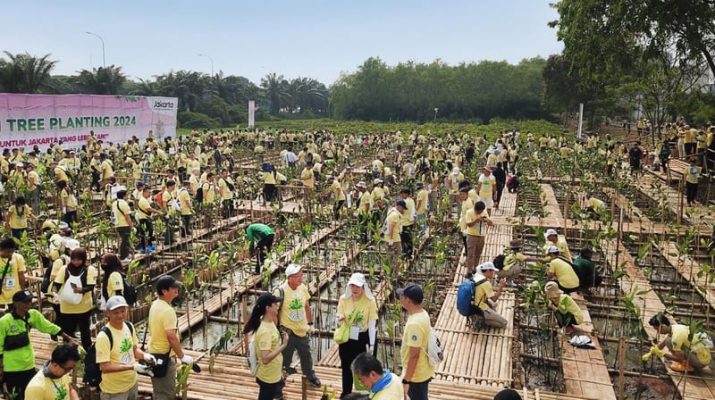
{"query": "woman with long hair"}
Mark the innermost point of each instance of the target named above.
(112, 277)
(263, 323)
(75, 284)
(356, 308)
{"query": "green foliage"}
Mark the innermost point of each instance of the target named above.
(412, 91)
(23, 73)
(102, 80)
(187, 119)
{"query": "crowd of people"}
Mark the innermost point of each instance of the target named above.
(389, 184)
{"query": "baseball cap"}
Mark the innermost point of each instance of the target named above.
(357, 279)
(413, 292)
(266, 299)
(292, 269)
(22, 296)
(377, 181)
(550, 232)
(115, 302)
(166, 282)
(553, 250)
(487, 266)
(361, 184)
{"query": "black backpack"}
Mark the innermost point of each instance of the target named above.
(92, 373)
(130, 292)
(200, 195)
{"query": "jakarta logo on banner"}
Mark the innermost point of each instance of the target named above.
(28, 120)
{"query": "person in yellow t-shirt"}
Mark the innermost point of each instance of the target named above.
(692, 176)
(53, 380)
(74, 285)
(33, 187)
(513, 261)
(183, 196)
(307, 178)
(476, 221)
(408, 221)
(421, 207)
(17, 217)
(357, 310)
(117, 353)
(383, 385)
(684, 353)
(106, 168)
(163, 337)
(121, 214)
(209, 189)
(552, 239)
(12, 266)
(416, 369)
(226, 188)
(270, 344)
(485, 297)
(336, 188)
(392, 230)
(69, 203)
(562, 272)
(296, 318)
(112, 278)
(364, 208)
(145, 225)
(566, 311)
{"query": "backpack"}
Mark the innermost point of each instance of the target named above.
(130, 292)
(435, 354)
(159, 199)
(252, 356)
(465, 295)
(200, 194)
(499, 261)
(92, 373)
(45, 286)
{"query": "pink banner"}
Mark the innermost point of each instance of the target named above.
(28, 120)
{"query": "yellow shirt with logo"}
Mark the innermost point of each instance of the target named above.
(86, 304)
(359, 312)
(408, 217)
(33, 179)
(416, 334)
(162, 317)
(14, 265)
(143, 207)
(488, 184)
(394, 221)
(121, 353)
(268, 338)
(107, 169)
(209, 192)
(44, 388)
(392, 391)
(226, 192)
(292, 312)
(692, 174)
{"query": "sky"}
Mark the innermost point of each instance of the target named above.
(315, 38)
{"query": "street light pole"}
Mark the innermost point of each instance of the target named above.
(210, 59)
(104, 59)
(436, 109)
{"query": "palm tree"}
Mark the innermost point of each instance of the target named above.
(190, 87)
(102, 80)
(24, 73)
(276, 88)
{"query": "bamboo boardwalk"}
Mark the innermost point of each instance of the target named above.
(689, 269)
(652, 186)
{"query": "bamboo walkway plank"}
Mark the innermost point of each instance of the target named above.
(689, 269)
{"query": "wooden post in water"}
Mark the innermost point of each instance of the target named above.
(621, 366)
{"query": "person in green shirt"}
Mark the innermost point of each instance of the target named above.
(260, 238)
(16, 353)
(587, 274)
(565, 309)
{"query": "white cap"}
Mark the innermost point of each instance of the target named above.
(553, 250)
(357, 279)
(71, 244)
(360, 184)
(377, 181)
(115, 302)
(292, 269)
(487, 266)
(550, 232)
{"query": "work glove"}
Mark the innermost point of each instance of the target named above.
(150, 359)
(187, 359)
(143, 369)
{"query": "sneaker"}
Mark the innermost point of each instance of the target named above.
(291, 371)
(314, 380)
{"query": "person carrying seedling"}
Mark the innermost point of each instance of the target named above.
(296, 318)
(260, 238)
